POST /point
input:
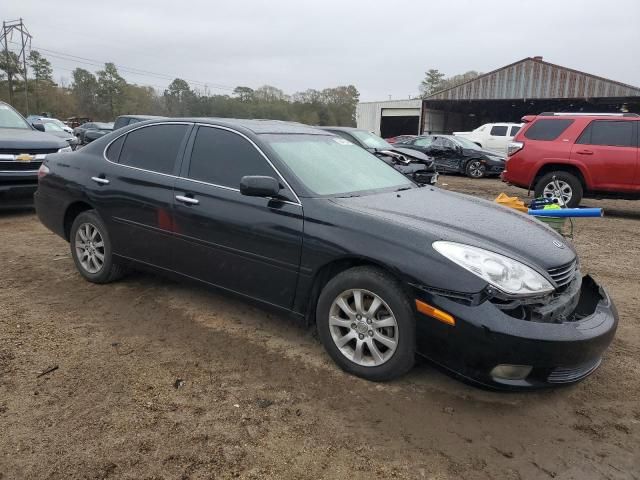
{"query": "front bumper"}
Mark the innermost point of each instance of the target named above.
(485, 337)
(17, 188)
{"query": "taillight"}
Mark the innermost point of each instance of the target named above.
(43, 170)
(514, 147)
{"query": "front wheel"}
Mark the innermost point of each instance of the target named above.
(366, 324)
(475, 169)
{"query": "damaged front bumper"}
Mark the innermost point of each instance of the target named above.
(557, 341)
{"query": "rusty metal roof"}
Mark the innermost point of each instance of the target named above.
(532, 78)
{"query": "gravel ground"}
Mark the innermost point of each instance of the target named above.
(161, 379)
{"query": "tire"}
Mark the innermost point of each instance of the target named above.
(475, 168)
(98, 270)
(386, 351)
(569, 183)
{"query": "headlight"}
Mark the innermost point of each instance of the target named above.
(65, 149)
(504, 273)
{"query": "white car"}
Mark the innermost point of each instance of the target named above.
(492, 136)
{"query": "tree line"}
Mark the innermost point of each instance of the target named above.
(105, 94)
(436, 81)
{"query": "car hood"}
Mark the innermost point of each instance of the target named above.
(443, 215)
(11, 138)
(413, 155)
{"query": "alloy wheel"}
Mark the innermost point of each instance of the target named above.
(476, 169)
(363, 327)
(563, 191)
(89, 246)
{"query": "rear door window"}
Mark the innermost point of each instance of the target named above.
(499, 131)
(154, 148)
(222, 158)
(514, 130)
(609, 133)
(547, 129)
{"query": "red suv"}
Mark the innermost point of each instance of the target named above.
(593, 155)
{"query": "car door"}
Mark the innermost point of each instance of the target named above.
(444, 154)
(249, 245)
(608, 150)
(133, 191)
(497, 140)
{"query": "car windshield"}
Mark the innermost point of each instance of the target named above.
(333, 166)
(370, 140)
(103, 126)
(54, 121)
(51, 127)
(466, 143)
(10, 119)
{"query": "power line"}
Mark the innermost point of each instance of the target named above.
(130, 70)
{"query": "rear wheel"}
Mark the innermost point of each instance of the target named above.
(91, 249)
(566, 187)
(366, 324)
(475, 169)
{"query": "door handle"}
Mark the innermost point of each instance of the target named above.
(188, 200)
(585, 152)
(100, 180)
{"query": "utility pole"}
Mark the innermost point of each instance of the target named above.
(6, 37)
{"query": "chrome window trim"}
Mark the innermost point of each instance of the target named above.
(224, 187)
(19, 171)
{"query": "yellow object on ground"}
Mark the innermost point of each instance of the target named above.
(513, 202)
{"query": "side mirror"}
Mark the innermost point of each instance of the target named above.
(259, 186)
(38, 126)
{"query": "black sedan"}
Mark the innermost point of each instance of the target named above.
(457, 155)
(308, 224)
(412, 163)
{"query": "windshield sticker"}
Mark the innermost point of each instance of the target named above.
(342, 141)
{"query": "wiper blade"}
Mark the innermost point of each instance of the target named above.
(401, 189)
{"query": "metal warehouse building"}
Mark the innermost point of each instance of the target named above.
(529, 86)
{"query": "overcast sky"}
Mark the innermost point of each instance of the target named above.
(383, 48)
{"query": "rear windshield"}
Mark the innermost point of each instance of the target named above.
(547, 129)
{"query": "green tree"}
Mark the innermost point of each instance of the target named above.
(431, 83)
(245, 94)
(85, 89)
(11, 68)
(111, 87)
(179, 98)
(41, 67)
(43, 74)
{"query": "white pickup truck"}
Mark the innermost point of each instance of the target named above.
(492, 136)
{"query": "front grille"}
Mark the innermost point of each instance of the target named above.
(32, 151)
(563, 275)
(14, 166)
(573, 374)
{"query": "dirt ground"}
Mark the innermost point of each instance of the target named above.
(158, 379)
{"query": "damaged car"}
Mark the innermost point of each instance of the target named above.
(416, 165)
(453, 154)
(316, 227)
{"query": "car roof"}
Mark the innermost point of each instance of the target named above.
(344, 129)
(144, 117)
(255, 126)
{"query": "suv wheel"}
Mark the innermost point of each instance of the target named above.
(366, 324)
(475, 169)
(91, 249)
(569, 188)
